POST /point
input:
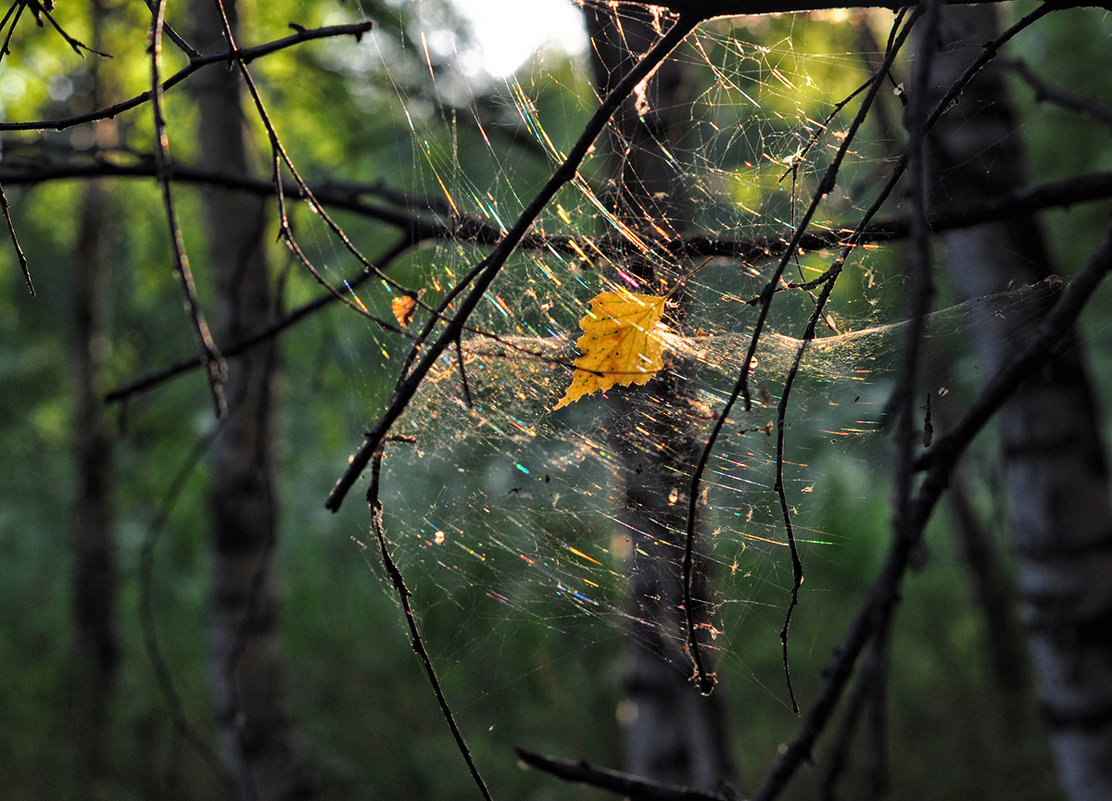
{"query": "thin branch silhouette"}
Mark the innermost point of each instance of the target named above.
(709, 9)
(174, 36)
(827, 279)
(215, 366)
(614, 781)
(163, 676)
(1087, 188)
(1047, 92)
(271, 331)
(21, 257)
(1070, 192)
(40, 11)
(248, 54)
(415, 639)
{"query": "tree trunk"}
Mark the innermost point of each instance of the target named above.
(95, 573)
(672, 732)
(257, 736)
(1054, 469)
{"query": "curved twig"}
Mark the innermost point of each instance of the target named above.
(21, 257)
(415, 639)
(214, 361)
(247, 54)
(614, 781)
(146, 609)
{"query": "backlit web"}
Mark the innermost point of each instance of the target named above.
(486, 489)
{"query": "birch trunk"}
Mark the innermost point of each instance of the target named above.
(1053, 464)
(672, 733)
(256, 733)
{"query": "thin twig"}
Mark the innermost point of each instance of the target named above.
(39, 10)
(415, 640)
(614, 781)
(75, 44)
(741, 387)
(1031, 199)
(165, 680)
(708, 9)
(214, 361)
(19, 254)
(868, 696)
(838, 754)
(921, 290)
(1048, 92)
(988, 52)
(356, 29)
(174, 36)
(17, 7)
(265, 334)
(280, 156)
(463, 374)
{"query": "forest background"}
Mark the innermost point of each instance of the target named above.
(527, 672)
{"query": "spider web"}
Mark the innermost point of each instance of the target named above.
(487, 489)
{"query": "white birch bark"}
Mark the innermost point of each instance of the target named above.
(672, 733)
(1053, 463)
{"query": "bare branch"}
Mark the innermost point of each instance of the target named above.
(741, 386)
(349, 197)
(415, 640)
(39, 11)
(76, 45)
(214, 361)
(248, 54)
(417, 229)
(615, 781)
(20, 256)
(1048, 92)
(921, 279)
(259, 337)
(174, 36)
(182, 724)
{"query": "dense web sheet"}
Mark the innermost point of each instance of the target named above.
(485, 485)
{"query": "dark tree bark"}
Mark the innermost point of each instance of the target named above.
(95, 571)
(1054, 468)
(673, 733)
(257, 735)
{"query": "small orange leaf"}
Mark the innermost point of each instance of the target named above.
(403, 307)
(619, 344)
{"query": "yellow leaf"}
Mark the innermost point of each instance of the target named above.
(403, 307)
(619, 344)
